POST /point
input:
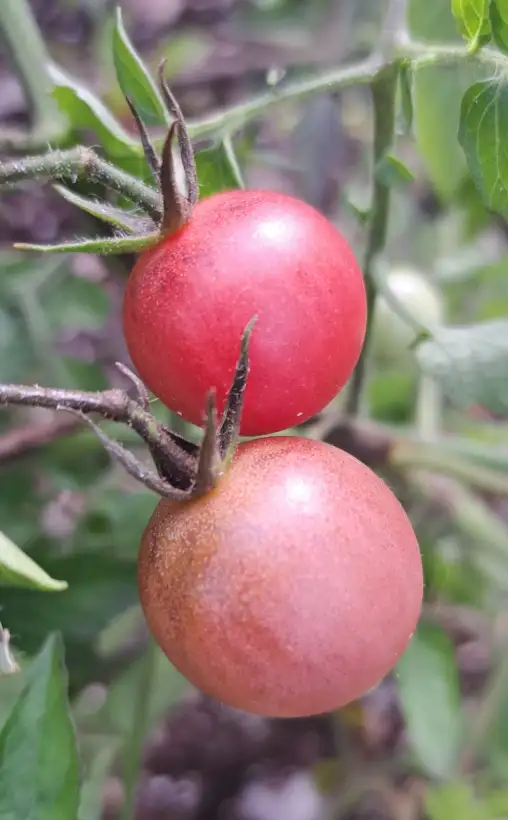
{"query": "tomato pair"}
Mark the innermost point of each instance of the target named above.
(295, 585)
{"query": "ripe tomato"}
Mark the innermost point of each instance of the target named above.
(290, 589)
(247, 253)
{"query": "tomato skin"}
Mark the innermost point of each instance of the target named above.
(247, 253)
(289, 590)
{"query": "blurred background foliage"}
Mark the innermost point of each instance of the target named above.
(432, 740)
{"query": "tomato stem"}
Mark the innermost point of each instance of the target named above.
(183, 469)
(384, 92)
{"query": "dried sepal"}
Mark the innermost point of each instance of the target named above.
(151, 156)
(210, 466)
(184, 141)
(133, 466)
(230, 424)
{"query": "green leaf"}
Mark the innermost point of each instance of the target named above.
(436, 100)
(392, 172)
(18, 569)
(499, 23)
(106, 212)
(428, 686)
(471, 363)
(215, 170)
(453, 801)
(100, 586)
(103, 246)
(39, 769)
(472, 18)
(482, 131)
(87, 112)
(432, 20)
(134, 78)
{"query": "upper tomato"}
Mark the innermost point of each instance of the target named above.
(245, 254)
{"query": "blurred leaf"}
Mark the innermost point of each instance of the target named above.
(17, 354)
(483, 124)
(100, 586)
(472, 18)
(391, 396)
(428, 686)
(215, 172)
(76, 303)
(436, 99)
(432, 20)
(17, 569)
(499, 23)
(168, 687)
(95, 777)
(39, 771)
(453, 801)
(134, 79)
(392, 172)
(87, 112)
(471, 363)
(112, 518)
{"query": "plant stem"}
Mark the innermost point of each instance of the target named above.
(31, 59)
(134, 747)
(83, 163)
(410, 454)
(225, 122)
(428, 407)
(115, 405)
(384, 89)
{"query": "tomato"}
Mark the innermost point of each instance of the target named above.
(247, 253)
(290, 589)
(392, 335)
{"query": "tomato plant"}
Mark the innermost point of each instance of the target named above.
(281, 576)
(289, 590)
(245, 254)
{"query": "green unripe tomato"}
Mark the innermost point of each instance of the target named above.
(392, 335)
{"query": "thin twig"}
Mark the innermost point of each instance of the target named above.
(31, 437)
(110, 404)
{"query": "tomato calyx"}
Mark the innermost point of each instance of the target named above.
(165, 209)
(183, 470)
